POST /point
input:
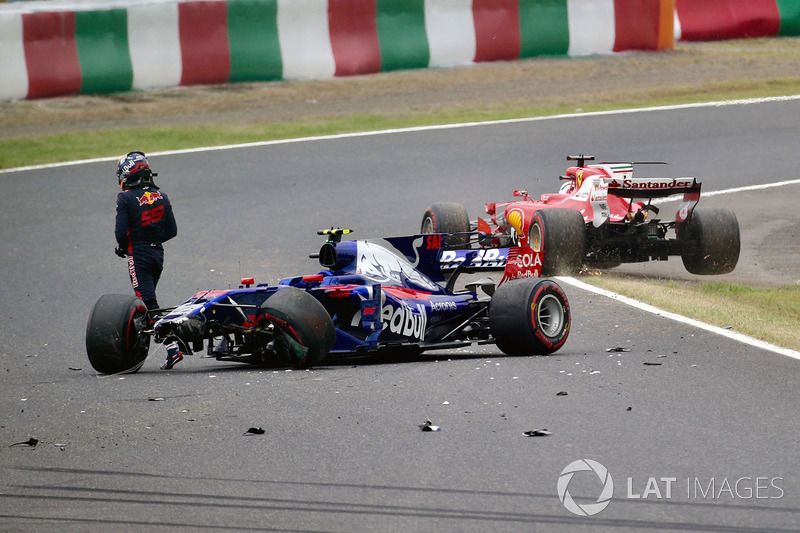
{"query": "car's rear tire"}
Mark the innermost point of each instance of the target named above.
(560, 234)
(447, 217)
(529, 317)
(308, 331)
(711, 241)
(114, 339)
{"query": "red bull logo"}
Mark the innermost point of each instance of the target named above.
(149, 198)
(405, 320)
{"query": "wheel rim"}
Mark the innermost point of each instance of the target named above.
(535, 238)
(427, 225)
(550, 315)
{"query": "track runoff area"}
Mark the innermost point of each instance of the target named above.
(567, 280)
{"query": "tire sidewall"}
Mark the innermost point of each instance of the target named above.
(303, 318)
(112, 335)
(514, 320)
(543, 290)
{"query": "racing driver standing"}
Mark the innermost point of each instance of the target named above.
(144, 222)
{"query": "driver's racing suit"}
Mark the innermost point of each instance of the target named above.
(144, 222)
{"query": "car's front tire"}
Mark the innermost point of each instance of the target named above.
(308, 333)
(560, 234)
(114, 339)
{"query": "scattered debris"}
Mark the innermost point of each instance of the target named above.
(538, 433)
(254, 431)
(75, 368)
(629, 409)
(649, 363)
(428, 426)
(618, 349)
(32, 442)
(561, 393)
(159, 399)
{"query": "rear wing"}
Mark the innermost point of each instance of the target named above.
(515, 262)
(430, 255)
(651, 187)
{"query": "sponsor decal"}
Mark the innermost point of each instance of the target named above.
(486, 258)
(149, 198)
(132, 272)
(433, 242)
(516, 219)
(522, 262)
(601, 213)
(599, 191)
(405, 320)
(651, 183)
(443, 306)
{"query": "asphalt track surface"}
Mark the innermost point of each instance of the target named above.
(702, 428)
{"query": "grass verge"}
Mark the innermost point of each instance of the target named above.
(38, 150)
(770, 314)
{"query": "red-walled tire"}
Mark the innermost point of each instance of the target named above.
(114, 342)
(529, 317)
(447, 217)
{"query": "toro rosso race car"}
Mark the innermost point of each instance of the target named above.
(601, 217)
(372, 296)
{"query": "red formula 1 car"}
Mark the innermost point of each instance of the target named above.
(602, 217)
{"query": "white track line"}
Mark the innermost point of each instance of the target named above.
(680, 318)
(423, 128)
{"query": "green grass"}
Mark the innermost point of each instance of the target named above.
(770, 314)
(27, 151)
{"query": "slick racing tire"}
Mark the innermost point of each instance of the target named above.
(447, 217)
(711, 241)
(529, 317)
(560, 234)
(114, 339)
(307, 330)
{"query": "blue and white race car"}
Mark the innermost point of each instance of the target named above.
(397, 293)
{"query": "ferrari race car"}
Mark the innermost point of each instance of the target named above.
(601, 217)
(373, 295)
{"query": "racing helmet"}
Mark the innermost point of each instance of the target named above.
(133, 170)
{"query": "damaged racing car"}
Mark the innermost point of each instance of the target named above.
(601, 217)
(397, 293)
